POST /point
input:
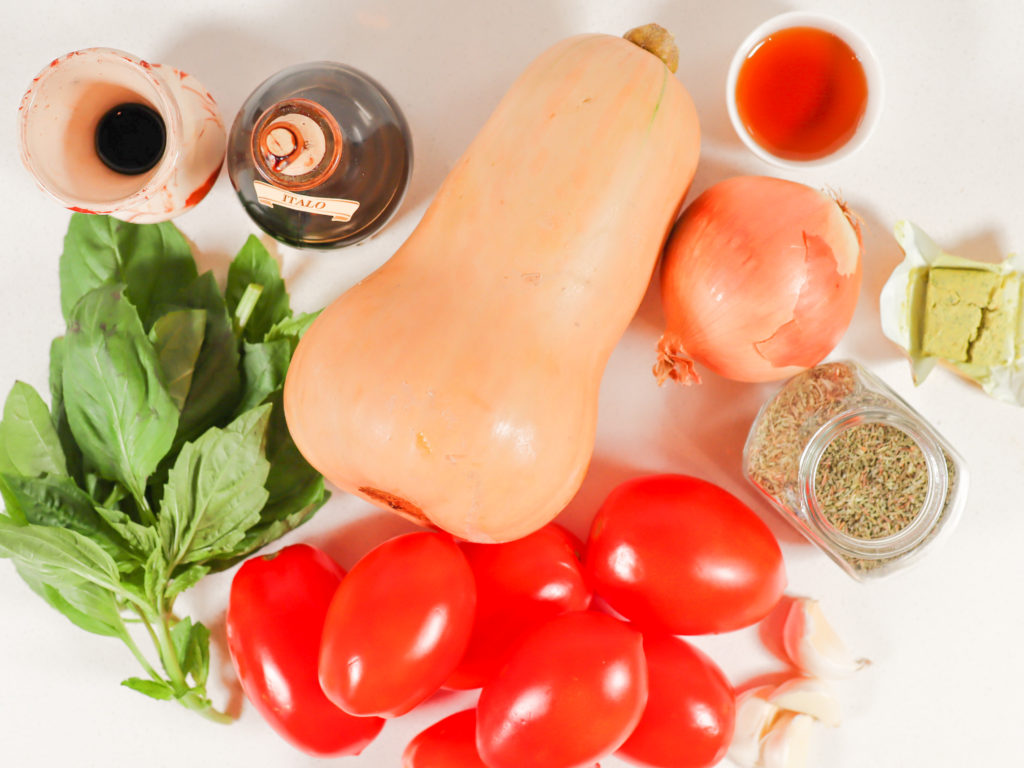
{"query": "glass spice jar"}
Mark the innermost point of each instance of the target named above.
(855, 469)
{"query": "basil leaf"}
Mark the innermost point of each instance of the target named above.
(30, 445)
(254, 264)
(197, 655)
(292, 483)
(216, 382)
(177, 338)
(266, 533)
(264, 365)
(72, 453)
(181, 634)
(295, 491)
(85, 604)
(117, 405)
(100, 488)
(140, 539)
(7, 464)
(154, 261)
(56, 375)
(214, 491)
(187, 578)
(12, 504)
(154, 576)
(155, 689)
(292, 327)
(192, 645)
(56, 501)
(58, 556)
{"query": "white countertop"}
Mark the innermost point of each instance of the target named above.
(948, 154)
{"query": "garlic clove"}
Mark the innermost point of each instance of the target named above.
(808, 696)
(754, 716)
(770, 629)
(788, 742)
(813, 646)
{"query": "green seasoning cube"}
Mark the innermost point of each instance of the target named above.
(955, 304)
(995, 344)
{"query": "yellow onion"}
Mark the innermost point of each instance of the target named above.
(759, 281)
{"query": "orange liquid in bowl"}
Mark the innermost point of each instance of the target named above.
(801, 93)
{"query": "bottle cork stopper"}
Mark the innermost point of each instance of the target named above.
(297, 144)
(279, 145)
(281, 141)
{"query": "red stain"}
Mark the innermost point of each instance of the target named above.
(79, 210)
(200, 192)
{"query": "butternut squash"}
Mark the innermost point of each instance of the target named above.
(458, 384)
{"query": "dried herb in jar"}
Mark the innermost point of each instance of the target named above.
(871, 481)
(783, 429)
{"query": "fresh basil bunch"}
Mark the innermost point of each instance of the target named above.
(164, 454)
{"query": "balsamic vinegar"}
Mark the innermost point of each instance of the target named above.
(130, 138)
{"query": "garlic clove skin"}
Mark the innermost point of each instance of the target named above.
(813, 646)
(808, 696)
(788, 742)
(754, 716)
(771, 628)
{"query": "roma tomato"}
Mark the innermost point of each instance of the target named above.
(450, 743)
(398, 625)
(679, 555)
(519, 584)
(569, 693)
(275, 618)
(691, 708)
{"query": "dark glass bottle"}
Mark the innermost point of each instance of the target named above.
(320, 156)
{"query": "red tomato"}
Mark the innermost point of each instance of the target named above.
(568, 694)
(450, 743)
(275, 619)
(682, 556)
(519, 584)
(398, 625)
(691, 709)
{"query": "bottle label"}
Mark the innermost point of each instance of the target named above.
(338, 209)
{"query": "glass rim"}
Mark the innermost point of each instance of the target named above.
(917, 530)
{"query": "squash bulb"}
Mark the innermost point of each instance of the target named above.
(458, 384)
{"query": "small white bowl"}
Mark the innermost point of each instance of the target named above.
(866, 56)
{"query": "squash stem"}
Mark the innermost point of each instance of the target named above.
(655, 39)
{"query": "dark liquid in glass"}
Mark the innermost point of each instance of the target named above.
(130, 138)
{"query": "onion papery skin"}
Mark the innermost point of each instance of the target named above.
(759, 281)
